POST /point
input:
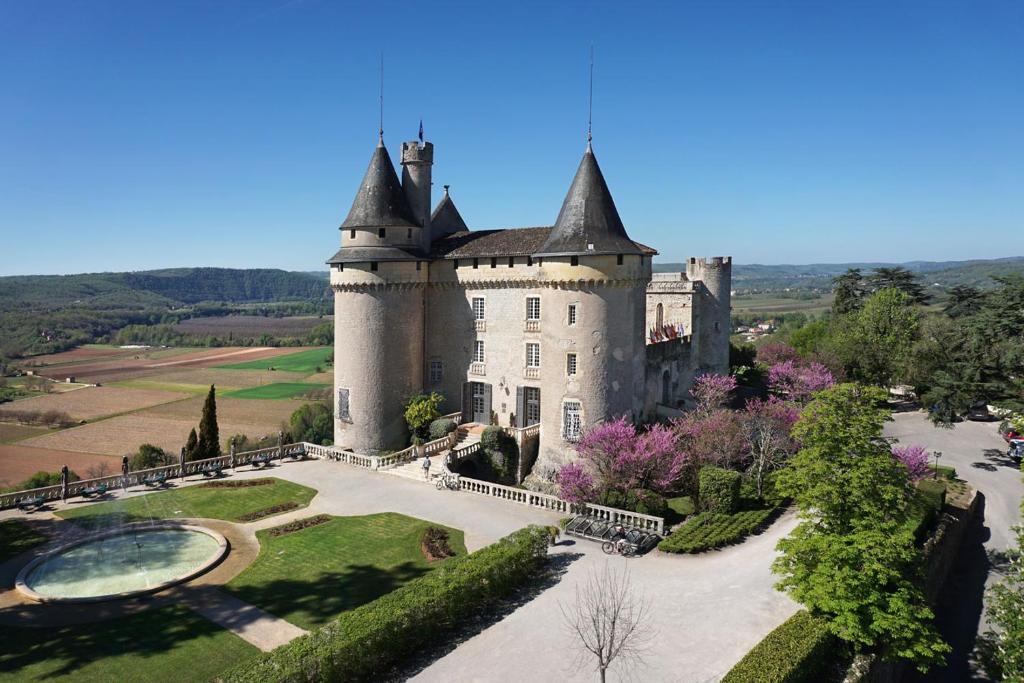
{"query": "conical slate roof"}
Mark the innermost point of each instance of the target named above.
(380, 202)
(588, 223)
(446, 219)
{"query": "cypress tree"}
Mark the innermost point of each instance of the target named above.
(209, 434)
(191, 445)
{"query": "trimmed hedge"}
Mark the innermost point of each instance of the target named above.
(441, 427)
(500, 451)
(719, 490)
(710, 530)
(644, 501)
(366, 643)
(801, 650)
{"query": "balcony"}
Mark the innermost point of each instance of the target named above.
(532, 326)
(478, 369)
(481, 325)
(531, 373)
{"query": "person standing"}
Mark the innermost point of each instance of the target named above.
(426, 467)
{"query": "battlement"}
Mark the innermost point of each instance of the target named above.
(413, 152)
(712, 262)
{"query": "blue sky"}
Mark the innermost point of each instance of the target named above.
(155, 134)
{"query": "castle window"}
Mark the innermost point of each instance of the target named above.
(478, 308)
(436, 372)
(572, 420)
(381, 232)
(618, 259)
(718, 327)
(574, 260)
(659, 315)
(570, 364)
(373, 265)
(456, 264)
(476, 263)
(408, 234)
(533, 308)
(352, 234)
(341, 267)
(533, 355)
(529, 260)
(494, 262)
(572, 314)
(343, 412)
(511, 261)
(419, 265)
(478, 351)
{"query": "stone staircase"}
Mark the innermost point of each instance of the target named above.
(467, 434)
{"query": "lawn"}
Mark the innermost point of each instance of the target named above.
(304, 362)
(192, 501)
(310, 576)
(16, 537)
(162, 644)
(277, 391)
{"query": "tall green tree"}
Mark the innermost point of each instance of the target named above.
(852, 558)
(963, 300)
(209, 432)
(875, 342)
(900, 278)
(1002, 648)
(312, 422)
(191, 446)
(849, 289)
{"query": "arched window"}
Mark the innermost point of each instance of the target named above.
(659, 316)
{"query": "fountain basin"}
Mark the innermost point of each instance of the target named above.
(134, 559)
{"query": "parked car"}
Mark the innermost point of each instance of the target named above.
(1008, 433)
(978, 412)
(1016, 449)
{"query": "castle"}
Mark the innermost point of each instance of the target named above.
(560, 327)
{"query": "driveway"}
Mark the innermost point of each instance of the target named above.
(978, 453)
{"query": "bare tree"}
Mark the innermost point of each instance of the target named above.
(608, 619)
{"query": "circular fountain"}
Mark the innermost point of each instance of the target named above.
(124, 562)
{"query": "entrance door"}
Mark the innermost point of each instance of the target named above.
(527, 406)
(479, 402)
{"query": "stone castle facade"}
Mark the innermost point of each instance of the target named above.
(560, 326)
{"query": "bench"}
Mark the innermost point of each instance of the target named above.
(98, 491)
(262, 460)
(31, 504)
(155, 479)
(212, 470)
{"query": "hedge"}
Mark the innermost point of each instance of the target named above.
(367, 642)
(441, 428)
(719, 490)
(709, 530)
(644, 501)
(801, 650)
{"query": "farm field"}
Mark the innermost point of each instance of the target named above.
(229, 409)
(768, 304)
(92, 402)
(19, 462)
(223, 379)
(278, 391)
(9, 432)
(251, 325)
(305, 362)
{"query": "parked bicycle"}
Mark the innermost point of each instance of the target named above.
(618, 545)
(448, 481)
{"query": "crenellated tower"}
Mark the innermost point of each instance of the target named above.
(712, 311)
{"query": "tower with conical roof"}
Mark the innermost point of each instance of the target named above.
(589, 263)
(378, 277)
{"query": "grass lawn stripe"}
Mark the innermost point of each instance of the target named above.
(16, 537)
(310, 576)
(162, 644)
(304, 362)
(276, 391)
(192, 501)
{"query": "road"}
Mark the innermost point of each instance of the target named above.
(978, 453)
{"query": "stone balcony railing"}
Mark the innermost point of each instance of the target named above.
(480, 325)
(531, 373)
(478, 369)
(532, 326)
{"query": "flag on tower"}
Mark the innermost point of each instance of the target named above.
(421, 131)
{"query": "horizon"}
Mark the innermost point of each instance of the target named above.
(139, 137)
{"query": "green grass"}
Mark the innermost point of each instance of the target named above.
(191, 501)
(305, 362)
(679, 508)
(162, 644)
(276, 391)
(310, 576)
(198, 389)
(16, 537)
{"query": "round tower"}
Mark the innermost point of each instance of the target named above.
(417, 160)
(378, 277)
(712, 311)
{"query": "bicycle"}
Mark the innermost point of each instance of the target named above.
(448, 481)
(619, 546)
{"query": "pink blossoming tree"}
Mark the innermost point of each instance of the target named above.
(915, 458)
(770, 442)
(798, 381)
(712, 391)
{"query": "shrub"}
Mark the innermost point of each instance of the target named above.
(649, 503)
(801, 650)
(149, 456)
(435, 544)
(313, 422)
(441, 428)
(42, 479)
(421, 410)
(364, 643)
(500, 450)
(710, 530)
(719, 490)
